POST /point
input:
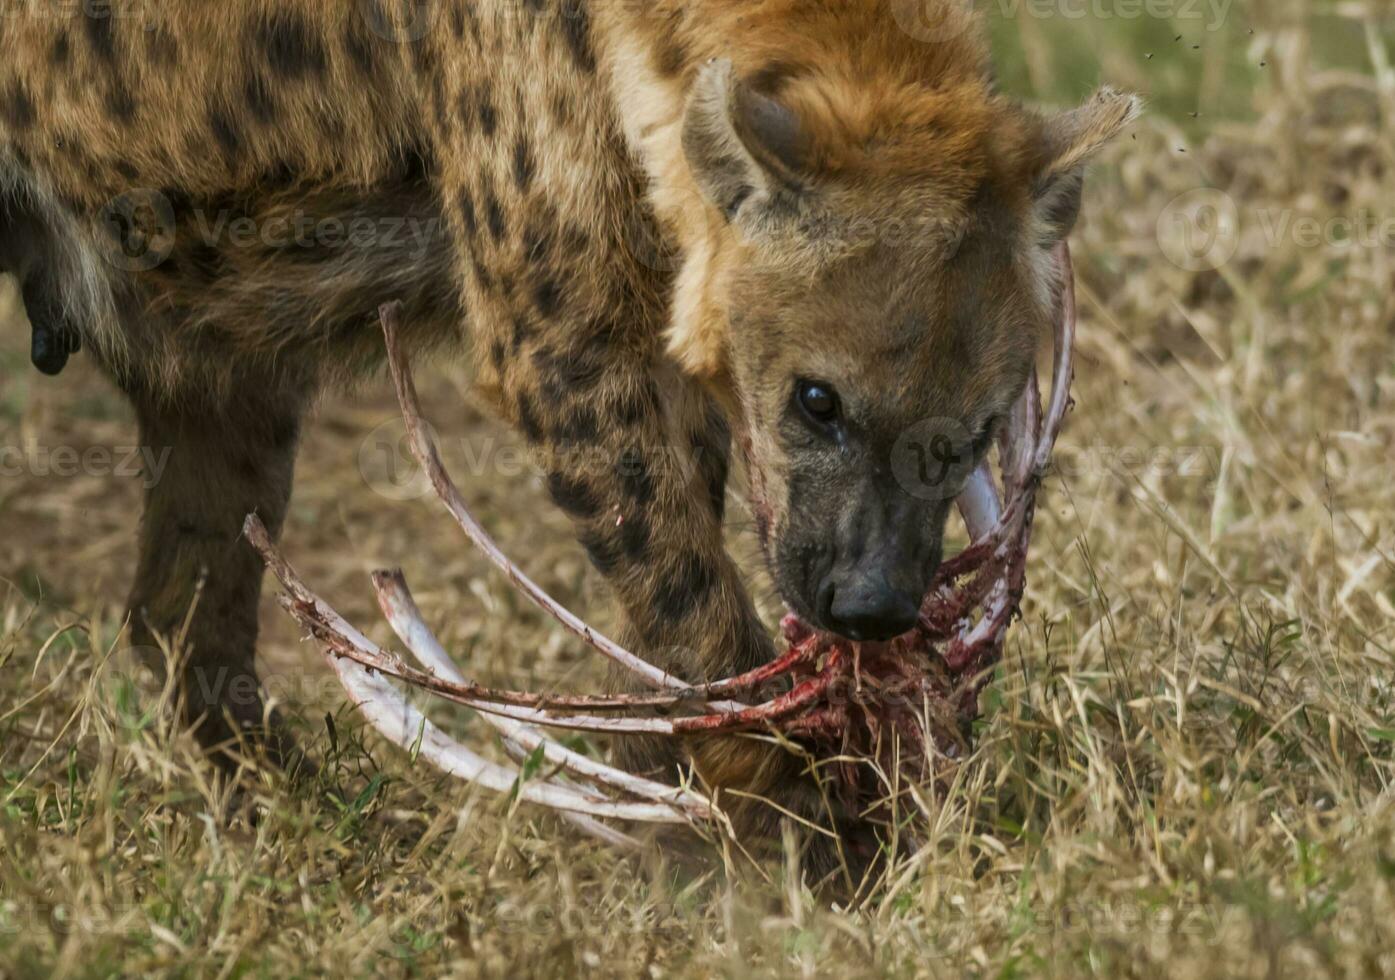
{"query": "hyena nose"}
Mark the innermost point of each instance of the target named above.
(867, 608)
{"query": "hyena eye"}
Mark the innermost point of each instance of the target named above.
(819, 401)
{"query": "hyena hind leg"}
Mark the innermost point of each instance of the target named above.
(218, 459)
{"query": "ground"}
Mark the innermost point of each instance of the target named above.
(1185, 763)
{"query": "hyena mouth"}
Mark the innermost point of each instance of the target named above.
(902, 706)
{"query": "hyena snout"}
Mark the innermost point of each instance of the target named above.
(874, 587)
(866, 607)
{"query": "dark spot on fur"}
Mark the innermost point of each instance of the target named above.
(522, 163)
(496, 353)
(291, 48)
(528, 420)
(494, 214)
(506, 284)
(359, 47)
(127, 170)
(537, 244)
(684, 589)
(578, 427)
(770, 76)
(488, 115)
(206, 261)
(180, 201)
(602, 548)
(599, 337)
(561, 107)
(17, 107)
(163, 48)
(467, 214)
(521, 331)
(413, 164)
(547, 296)
(578, 239)
(100, 28)
(482, 275)
(260, 101)
(713, 452)
(329, 121)
(634, 405)
(120, 103)
(61, 50)
(438, 97)
(424, 56)
(465, 107)
(576, 26)
(635, 479)
(457, 21)
(226, 134)
(535, 6)
(670, 56)
(573, 495)
(634, 535)
(573, 371)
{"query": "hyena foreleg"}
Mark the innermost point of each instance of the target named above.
(228, 456)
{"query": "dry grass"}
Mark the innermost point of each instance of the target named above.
(1185, 767)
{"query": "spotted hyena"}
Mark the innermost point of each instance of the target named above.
(784, 231)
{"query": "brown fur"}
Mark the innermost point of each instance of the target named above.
(572, 154)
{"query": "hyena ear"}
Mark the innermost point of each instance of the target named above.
(741, 144)
(1072, 138)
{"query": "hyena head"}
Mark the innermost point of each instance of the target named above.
(867, 299)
